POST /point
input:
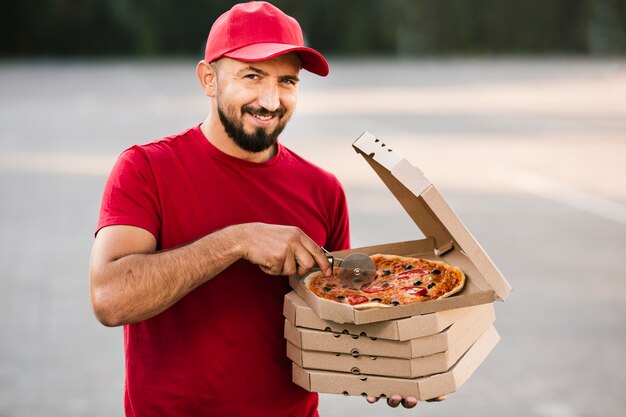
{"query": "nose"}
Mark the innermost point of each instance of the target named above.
(269, 96)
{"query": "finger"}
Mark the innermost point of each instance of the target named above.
(394, 400)
(290, 265)
(271, 269)
(409, 402)
(317, 253)
(370, 399)
(304, 261)
(433, 400)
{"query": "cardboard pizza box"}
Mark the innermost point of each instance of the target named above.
(301, 315)
(455, 338)
(423, 388)
(447, 239)
(391, 364)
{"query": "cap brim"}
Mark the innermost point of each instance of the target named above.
(312, 60)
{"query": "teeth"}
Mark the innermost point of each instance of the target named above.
(264, 118)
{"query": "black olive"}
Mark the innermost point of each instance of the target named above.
(326, 289)
(341, 297)
(416, 283)
(394, 303)
(432, 284)
(386, 271)
(408, 267)
(436, 272)
(377, 299)
(385, 284)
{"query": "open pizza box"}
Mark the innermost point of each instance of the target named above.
(378, 364)
(455, 338)
(447, 239)
(423, 388)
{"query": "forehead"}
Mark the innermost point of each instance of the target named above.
(287, 64)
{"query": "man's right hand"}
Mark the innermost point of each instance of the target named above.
(130, 281)
(282, 250)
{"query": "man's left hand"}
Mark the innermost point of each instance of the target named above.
(408, 402)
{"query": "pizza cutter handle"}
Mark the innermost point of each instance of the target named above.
(331, 259)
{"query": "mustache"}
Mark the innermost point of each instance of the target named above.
(262, 111)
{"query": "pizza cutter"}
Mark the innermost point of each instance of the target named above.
(353, 271)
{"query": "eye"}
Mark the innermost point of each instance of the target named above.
(252, 76)
(288, 81)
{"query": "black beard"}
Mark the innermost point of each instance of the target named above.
(258, 141)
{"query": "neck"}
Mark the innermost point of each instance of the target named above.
(214, 132)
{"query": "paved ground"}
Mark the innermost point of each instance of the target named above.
(530, 154)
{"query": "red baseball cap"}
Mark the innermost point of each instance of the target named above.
(258, 31)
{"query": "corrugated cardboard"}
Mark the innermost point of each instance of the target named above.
(422, 388)
(301, 315)
(467, 328)
(388, 362)
(447, 240)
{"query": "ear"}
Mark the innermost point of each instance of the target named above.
(207, 78)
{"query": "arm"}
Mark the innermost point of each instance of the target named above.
(130, 282)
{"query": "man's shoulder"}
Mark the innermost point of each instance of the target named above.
(170, 142)
(163, 148)
(307, 167)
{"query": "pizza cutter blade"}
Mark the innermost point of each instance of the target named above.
(355, 270)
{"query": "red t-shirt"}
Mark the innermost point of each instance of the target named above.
(220, 350)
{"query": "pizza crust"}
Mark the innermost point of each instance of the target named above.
(370, 305)
(459, 274)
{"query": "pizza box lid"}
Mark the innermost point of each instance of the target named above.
(447, 239)
(467, 328)
(385, 363)
(423, 388)
(301, 315)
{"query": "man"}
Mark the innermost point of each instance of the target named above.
(192, 227)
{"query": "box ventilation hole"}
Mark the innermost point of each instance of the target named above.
(337, 335)
(328, 329)
(346, 393)
(363, 378)
(355, 353)
(364, 394)
(373, 338)
(355, 336)
(363, 334)
(355, 371)
(373, 358)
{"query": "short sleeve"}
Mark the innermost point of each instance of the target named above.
(339, 237)
(131, 194)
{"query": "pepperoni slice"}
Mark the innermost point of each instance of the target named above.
(357, 299)
(415, 291)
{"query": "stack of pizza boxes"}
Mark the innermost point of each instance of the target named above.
(424, 350)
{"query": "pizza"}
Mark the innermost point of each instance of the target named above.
(398, 281)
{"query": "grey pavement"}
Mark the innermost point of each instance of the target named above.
(530, 154)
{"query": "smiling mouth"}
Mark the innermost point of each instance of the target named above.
(264, 118)
(262, 114)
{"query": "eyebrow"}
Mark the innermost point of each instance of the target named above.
(253, 69)
(265, 74)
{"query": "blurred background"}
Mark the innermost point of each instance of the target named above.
(411, 28)
(516, 111)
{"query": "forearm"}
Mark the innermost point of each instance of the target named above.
(138, 286)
